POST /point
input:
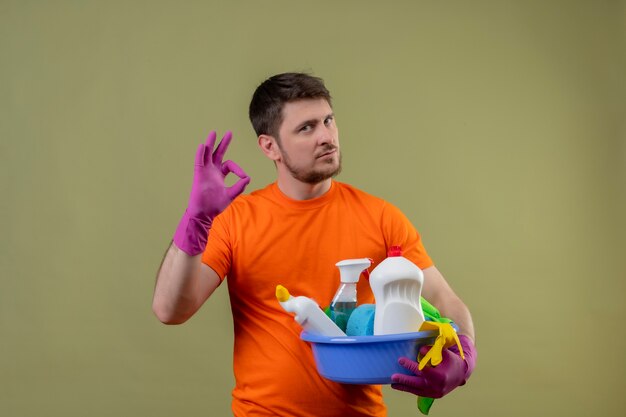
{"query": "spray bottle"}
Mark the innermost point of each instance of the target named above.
(308, 314)
(344, 301)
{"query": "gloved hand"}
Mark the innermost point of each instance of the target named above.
(437, 381)
(209, 195)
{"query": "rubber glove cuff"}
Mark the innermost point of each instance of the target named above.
(192, 234)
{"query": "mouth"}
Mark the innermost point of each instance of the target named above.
(327, 153)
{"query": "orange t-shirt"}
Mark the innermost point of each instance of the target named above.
(265, 239)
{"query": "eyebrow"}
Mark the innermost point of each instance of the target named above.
(312, 122)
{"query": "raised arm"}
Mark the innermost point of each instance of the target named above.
(183, 281)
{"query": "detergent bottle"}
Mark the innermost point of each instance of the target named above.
(308, 314)
(397, 286)
(344, 301)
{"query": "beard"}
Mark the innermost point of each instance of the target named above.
(314, 176)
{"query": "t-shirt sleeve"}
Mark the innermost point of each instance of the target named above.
(218, 252)
(399, 231)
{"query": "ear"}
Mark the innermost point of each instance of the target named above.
(269, 147)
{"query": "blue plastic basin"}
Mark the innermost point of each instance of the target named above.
(365, 359)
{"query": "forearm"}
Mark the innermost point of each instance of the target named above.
(178, 292)
(437, 291)
(452, 306)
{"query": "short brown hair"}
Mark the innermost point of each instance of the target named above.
(267, 102)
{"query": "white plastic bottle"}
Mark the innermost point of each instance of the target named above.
(308, 314)
(397, 286)
(344, 301)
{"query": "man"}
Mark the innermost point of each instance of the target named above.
(293, 232)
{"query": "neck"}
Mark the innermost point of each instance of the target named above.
(298, 190)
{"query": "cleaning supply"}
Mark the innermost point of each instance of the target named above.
(397, 286)
(308, 314)
(457, 363)
(361, 322)
(446, 337)
(433, 317)
(431, 313)
(344, 301)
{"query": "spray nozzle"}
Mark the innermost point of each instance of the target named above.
(350, 269)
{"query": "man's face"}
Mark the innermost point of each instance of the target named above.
(309, 141)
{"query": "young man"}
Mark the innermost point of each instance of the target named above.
(292, 232)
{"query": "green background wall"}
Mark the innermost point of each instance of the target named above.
(496, 126)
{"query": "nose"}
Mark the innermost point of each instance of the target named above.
(327, 135)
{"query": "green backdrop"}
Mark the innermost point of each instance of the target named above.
(496, 126)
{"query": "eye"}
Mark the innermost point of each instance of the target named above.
(305, 128)
(329, 120)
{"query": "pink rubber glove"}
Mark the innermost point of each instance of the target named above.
(437, 381)
(209, 195)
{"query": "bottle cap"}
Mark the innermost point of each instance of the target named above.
(282, 294)
(394, 251)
